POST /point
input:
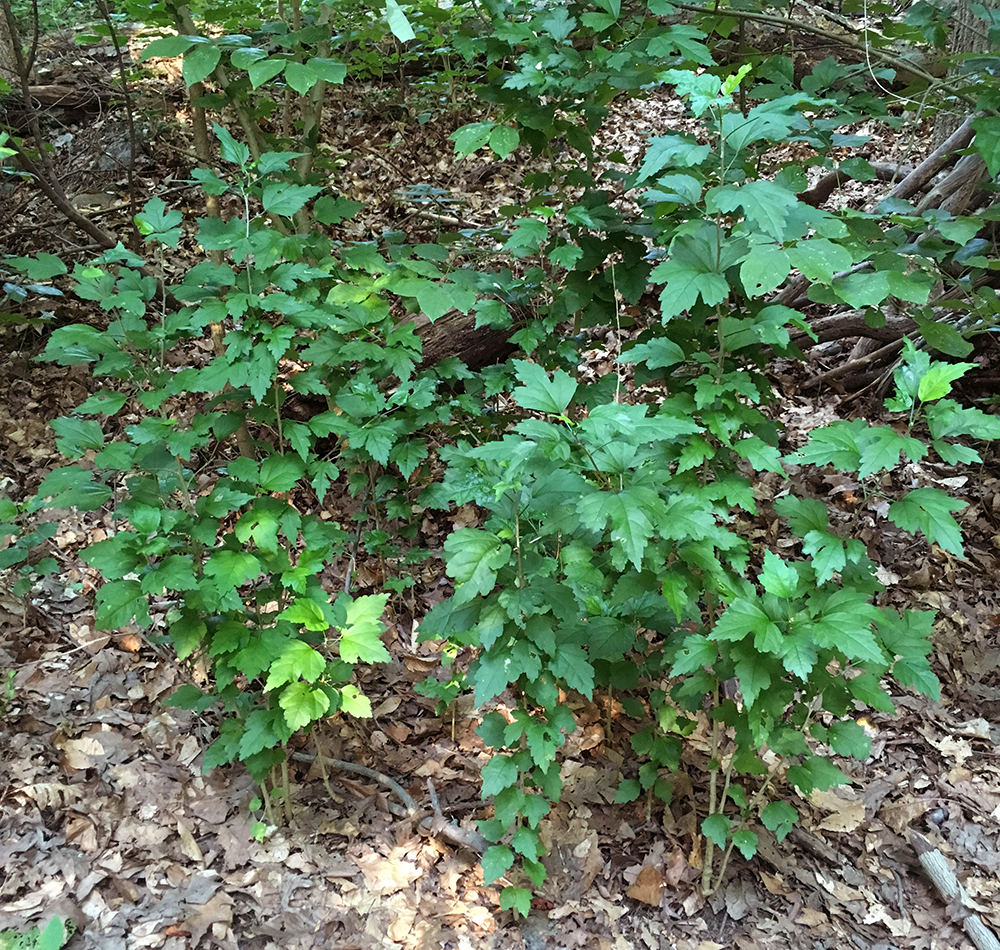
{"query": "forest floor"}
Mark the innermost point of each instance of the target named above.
(107, 820)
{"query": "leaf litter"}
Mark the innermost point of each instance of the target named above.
(107, 820)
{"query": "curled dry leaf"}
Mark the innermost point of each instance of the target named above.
(129, 642)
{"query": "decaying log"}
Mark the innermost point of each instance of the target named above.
(456, 334)
(930, 166)
(855, 366)
(53, 96)
(837, 326)
(953, 194)
(830, 182)
(74, 97)
(957, 192)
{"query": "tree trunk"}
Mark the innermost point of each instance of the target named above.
(967, 34)
(8, 62)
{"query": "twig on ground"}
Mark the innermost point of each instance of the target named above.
(950, 888)
(436, 824)
(472, 840)
(411, 808)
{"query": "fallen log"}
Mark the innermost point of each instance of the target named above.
(456, 334)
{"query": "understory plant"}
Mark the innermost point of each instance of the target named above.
(611, 563)
(240, 576)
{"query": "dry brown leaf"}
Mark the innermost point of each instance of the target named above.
(387, 706)
(86, 638)
(694, 856)
(899, 815)
(338, 826)
(466, 517)
(977, 728)
(847, 818)
(432, 769)
(839, 889)
(591, 737)
(129, 642)
(959, 749)
(404, 915)
(219, 910)
(844, 813)
(386, 875)
(397, 732)
(189, 847)
(420, 664)
(82, 833)
(675, 867)
(878, 913)
(775, 884)
(79, 753)
(811, 917)
(52, 794)
(648, 886)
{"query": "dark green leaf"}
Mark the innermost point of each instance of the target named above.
(628, 791)
(746, 842)
(815, 773)
(167, 46)
(847, 738)
(944, 338)
(200, 62)
(118, 603)
(929, 510)
(716, 829)
(265, 69)
(499, 773)
(779, 817)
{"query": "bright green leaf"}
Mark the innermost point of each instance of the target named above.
(515, 898)
(360, 639)
(398, 22)
(300, 76)
(265, 69)
(537, 391)
(936, 382)
(354, 702)
(778, 577)
(303, 704)
(765, 268)
(297, 661)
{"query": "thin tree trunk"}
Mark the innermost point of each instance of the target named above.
(967, 34)
(8, 60)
